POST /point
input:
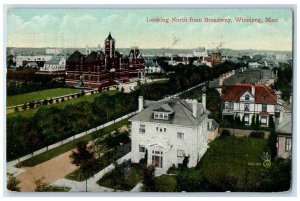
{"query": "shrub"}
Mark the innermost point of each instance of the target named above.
(225, 132)
(45, 102)
(257, 134)
(12, 183)
(165, 183)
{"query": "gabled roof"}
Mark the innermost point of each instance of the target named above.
(93, 56)
(182, 115)
(75, 57)
(263, 94)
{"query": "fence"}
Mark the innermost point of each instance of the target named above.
(47, 101)
(57, 144)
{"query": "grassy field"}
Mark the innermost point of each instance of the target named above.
(230, 155)
(69, 146)
(90, 98)
(38, 95)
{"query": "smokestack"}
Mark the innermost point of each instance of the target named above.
(195, 108)
(204, 101)
(253, 89)
(141, 103)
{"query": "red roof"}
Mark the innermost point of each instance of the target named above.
(263, 94)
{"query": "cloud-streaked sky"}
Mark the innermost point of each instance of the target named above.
(81, 27)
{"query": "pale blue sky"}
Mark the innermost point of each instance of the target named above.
(81, 27)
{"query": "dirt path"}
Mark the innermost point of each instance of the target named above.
(52, 170)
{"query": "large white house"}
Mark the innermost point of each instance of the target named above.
(57, 63)
(246, 100)
(169, 130)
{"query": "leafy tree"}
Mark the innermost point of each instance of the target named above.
(271, 122)
(253, 122)
(272, 144)
(83, 158)
(12, 183)
(257, 124)
(278, 178)
(149, 179)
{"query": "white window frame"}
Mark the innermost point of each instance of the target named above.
(288, 144)
(142, 129)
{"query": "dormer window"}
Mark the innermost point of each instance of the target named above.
(247, 97)
(161, 115)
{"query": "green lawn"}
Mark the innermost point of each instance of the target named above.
(90, 98)
(125, 177)
(71, 145)
(230, 155)
(38, 95)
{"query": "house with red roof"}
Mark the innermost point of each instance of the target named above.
(246, 100)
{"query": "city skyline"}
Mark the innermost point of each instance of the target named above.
(149, 29)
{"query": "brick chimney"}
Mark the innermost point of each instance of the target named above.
(141, 103)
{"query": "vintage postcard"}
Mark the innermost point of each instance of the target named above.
(149, 100)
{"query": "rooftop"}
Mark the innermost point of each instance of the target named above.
(285, 126)
(183, 114)
(263, 94)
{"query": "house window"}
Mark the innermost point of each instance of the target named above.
(160, 129)
(288, 144)
(165, 116)
(142, 129)
(264, 107)
(246, 118)
(263, 120)
(165, 130)
(247, 107)
(161, 116)
(180, 135)
(156, 116)
(156, 128)
(247, 97)
(142, 148)
(180, 153)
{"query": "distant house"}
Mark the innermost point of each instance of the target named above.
(152, 67)
(254, 65)
(168, 131)
(284, 133)
(246, 100)
(55, 64)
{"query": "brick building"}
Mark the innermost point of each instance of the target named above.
(100, 69)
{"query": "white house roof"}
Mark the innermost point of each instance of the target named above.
(183, 114)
